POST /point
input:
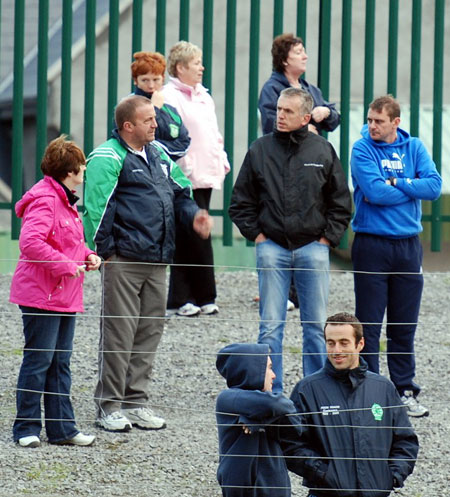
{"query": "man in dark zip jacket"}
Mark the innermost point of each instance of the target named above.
(355, 428)
(292, 199)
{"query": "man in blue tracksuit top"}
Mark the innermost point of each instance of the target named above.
(391, 172)
(356, 437)
(258, 430)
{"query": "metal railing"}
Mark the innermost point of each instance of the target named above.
(345, 8)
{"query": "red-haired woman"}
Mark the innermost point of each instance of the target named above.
(147, 71)
(48, 286)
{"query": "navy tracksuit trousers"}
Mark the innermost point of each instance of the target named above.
(384, 286)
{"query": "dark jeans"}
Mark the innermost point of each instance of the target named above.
(384, 286)
(193, 284)
(45, 368)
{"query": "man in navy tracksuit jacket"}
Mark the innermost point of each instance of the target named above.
(391, 172)
(355, 429)
(258, 430)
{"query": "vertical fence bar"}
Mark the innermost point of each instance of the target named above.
(136, 35)
(161, 26)
(278, 9)
(439, 26)
(113, 64)
(66, 66)
(416, 42)
(184, 20)
(253, 69)
(346, 57)
(41, 115)
(324, 50)
(208, 16)
(17, 124)
(89, 77)
(369, 48)
(301, 20)
(229, 116)
(393, 48)
(324, 47)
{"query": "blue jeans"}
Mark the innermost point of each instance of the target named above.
(275, 268)
(45, 370)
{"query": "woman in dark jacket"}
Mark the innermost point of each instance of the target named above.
(289, 63)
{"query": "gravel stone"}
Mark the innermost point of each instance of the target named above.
(182, 459)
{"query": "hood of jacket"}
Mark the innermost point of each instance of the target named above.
(46, 187)
(243, 365)
(403, 137)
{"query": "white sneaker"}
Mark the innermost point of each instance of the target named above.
(79, 439)
(414, 409)
(115, 421)
(209, 309)
(30, 442)
(170, 313)
(189, 310)
(145, 418)
(290, 306)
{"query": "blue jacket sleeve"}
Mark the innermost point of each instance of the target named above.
(268, 106)
(371, 179)
(427, 184)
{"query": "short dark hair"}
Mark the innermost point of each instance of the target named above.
(346, 318)
(280, 49)
(62, 157)
(126, 109)
(387, 102)
(307, 102)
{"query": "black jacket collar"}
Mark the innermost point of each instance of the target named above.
(295, 136)
(352, 377)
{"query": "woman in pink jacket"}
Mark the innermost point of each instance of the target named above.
(192, 288)
(48, 286)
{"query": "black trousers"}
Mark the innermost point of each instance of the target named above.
(193, 284)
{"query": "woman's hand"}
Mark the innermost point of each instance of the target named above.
(79, 271)
(93, 262)
(320, 113)
(158, 99)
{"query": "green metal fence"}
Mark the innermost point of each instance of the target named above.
(323, 25)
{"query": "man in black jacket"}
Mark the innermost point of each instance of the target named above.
(292, 199)
(133, 199)
(356, 433)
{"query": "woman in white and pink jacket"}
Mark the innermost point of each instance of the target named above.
(48, 286)
(192, 288)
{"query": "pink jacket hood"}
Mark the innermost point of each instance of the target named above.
(205, 163)
(51, 247)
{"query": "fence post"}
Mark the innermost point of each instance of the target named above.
(17, 125)
(346, 57)
(208, 14)
(66, 66)
(437, 116)
(301, 19)
(369, 55)
(42, 85)
(184, 20)
(89, 77)
(113, 65)
(415, 67)
(161, 26)
(278, 8)
(229, 117)
(393, 48)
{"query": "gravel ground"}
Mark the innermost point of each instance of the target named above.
(182, 459)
